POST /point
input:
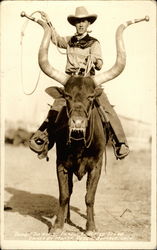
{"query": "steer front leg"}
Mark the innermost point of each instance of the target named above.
(92, 182)
(65, 190)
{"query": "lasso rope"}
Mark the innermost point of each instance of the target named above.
(21, 43)
(44, 16)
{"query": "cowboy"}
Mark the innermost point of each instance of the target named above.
(83, 58)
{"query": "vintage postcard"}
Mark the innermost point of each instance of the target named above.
(78, 124)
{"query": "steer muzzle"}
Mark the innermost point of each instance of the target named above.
(77, 127)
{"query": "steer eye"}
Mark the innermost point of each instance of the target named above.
(67, 96)
(90, 98)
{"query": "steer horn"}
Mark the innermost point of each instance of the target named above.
(120, 63)
(43, 52)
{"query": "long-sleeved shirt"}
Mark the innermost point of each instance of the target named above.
(81, 53)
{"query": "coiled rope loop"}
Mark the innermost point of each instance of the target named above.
(45, 17)
(21, 43)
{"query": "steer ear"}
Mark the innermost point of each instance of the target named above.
(55, 92)
(98, 92)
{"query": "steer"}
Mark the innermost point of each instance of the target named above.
(80, 139)
(80, 145)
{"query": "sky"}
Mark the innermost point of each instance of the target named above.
(133, 93)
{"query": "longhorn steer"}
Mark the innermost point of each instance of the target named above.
(86, 143)
(85, 131)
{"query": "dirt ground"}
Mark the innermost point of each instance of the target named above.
(122, 205)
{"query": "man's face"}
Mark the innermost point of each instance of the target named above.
(81, 26)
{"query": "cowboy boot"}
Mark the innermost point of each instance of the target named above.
(121, 150)
(118, 138)
(119, 143)
(120, 147)
(43, 139)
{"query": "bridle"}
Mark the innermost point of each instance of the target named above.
(90, 121)
(87, 113)
(91, 131)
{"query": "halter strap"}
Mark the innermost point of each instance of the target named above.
(88, 141)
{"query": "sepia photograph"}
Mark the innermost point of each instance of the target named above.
(78, 124)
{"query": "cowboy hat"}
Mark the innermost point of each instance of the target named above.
(81, 13)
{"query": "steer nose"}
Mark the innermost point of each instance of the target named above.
(78, 123)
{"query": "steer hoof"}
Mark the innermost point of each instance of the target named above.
(91, 234)
(68, 221)
(56, 231)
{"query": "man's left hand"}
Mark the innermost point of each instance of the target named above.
(98, 64)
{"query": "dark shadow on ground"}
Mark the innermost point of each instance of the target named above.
(37, 206)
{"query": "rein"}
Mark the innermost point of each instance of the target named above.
(91, 131)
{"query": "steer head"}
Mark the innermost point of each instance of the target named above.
(79, 93)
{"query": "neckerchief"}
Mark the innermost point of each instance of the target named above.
(83, 43)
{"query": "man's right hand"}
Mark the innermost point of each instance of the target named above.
(45, 17)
